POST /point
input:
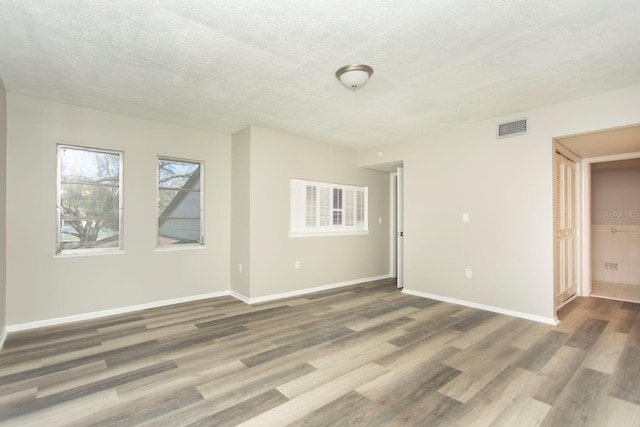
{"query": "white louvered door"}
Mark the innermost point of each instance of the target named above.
(564, 218)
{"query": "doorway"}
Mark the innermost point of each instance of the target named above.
(615, 229)
(607, 145)
(397, 226)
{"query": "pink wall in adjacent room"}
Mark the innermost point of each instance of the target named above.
(615, 196)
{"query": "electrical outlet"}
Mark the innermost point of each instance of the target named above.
(611, 266)
(297, 265)
(467, 273)
(239, 268)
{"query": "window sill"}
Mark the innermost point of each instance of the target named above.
(178, 248)
(87, 254)
(294, 234)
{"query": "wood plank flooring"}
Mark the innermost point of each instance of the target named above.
(361, 355)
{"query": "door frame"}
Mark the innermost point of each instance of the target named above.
(584, 286)
(392, 224)
(396, 204)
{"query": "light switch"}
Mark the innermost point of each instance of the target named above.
(465, 217)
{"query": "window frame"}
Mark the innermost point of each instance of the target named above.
(61, 252)
(323, 206)
(200, 244)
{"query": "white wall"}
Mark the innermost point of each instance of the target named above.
(40, 286)
(240, 203)
(3, 206)
(506, 187)
(277, 157)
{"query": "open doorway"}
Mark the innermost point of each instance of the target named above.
(615, 229)
(607, 236)
(397, 226)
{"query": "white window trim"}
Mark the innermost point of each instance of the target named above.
(297, 221)
(181, 246)
(82, 252)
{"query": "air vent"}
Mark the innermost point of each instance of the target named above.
(512, 128)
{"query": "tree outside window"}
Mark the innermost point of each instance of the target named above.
(89, 200)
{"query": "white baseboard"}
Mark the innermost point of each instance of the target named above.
(299, 292)
(3, 337)
(104, 313)
(122, 310)
(240, 297)
(535, 318)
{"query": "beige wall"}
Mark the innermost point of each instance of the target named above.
(3, 205)
(621, 248)
(40, 286)
(506, 187)
(276, 158)
(240, 202)
(615, 196)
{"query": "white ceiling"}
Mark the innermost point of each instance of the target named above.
(224, 65)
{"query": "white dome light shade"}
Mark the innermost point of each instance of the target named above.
(354, 76)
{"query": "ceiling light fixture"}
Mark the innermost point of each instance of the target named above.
(354, 76)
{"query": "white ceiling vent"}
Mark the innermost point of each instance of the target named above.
(512, 128)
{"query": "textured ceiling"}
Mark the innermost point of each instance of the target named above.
(224, 65)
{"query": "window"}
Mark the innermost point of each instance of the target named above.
(89, 205)
(320, 208)
(180, 203)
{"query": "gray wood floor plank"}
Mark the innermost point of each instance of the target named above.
(476, 318)
(360, 355)
(140, 410)
(432, 411)
(557, 373)
(245, 410)
(336, 413)
(300, 344)
(579, 400)
(587, 334)
(540, 353)
(625, 382)
(623, 320)
(426, 329)
(73, 393)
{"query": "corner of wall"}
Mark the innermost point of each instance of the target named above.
(239, 261)
(3, 212)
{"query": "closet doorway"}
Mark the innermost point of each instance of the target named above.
(615, 229)
(607, 237)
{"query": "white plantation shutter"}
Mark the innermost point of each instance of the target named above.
(348, 208)
(311, 205)
(325, 206)
(337, 206)
(320, 208)
(361, 217)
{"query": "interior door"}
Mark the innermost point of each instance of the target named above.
(564, 218)
(399, 227)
